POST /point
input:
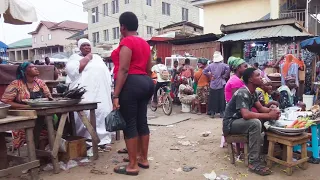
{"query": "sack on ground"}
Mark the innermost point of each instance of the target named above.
(114, 121)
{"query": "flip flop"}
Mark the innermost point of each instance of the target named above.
(139, 164)
(123, 151)
(123, 170)
(143, 166)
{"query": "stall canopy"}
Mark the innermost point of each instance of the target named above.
(263, 29)
(312, 44)
(265, 33)
(17, 12)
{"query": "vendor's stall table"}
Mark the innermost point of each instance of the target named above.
(46, 113)
(314, 144)
(289, 142)
(15, 121)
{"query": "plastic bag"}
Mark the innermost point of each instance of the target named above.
(114, 121)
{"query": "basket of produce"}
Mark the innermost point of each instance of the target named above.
(289, 128)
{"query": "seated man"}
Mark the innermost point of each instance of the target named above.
(239, 119)
(186, 95)
(163, 79)
(288, 96)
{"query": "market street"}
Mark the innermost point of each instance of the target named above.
(168, 156)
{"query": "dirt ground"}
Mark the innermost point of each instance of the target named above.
(204, 154)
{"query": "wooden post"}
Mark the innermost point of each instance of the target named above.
(3, 152)
(32, 153)
(59, 135)
(51, 137)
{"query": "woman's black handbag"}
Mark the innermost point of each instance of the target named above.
(114, 121)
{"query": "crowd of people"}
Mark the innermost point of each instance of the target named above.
(241, 95)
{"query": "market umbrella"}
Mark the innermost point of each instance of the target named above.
(312, 44)
(17, 12)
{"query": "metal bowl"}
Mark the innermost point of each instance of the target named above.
(44, 102)
(4, 110)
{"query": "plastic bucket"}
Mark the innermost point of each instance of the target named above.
(186, 108)
(308, 100)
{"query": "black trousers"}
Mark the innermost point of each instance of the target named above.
(216, 102)
(133, 100)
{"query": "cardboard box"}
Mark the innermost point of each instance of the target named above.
(76, 148)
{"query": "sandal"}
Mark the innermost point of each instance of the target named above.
(139, 164)
(123, 151)
(260, 170)
(123, 170)
(143, 166)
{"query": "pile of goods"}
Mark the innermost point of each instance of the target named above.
(303, 122)
(315, 112)
(75, 93)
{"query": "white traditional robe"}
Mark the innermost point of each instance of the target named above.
(96, 79)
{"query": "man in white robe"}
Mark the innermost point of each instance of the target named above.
(89, 71)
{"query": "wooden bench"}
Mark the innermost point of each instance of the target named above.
(15, 121)
(241, 138)
(287, 155)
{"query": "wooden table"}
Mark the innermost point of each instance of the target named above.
(15, 122)
(46, 113)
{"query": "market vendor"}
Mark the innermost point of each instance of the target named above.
(186, 95)
(26, 86)
(288, 96)
(264, 92)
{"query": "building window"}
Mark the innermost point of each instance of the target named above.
(41, 38)
(106, 35)
(105, 9)
(95, 37)
(115, 6)
(95, 15)
(165, 8)
(149, 2)
(115, 32)
(126, 1)
(49, 37)
(185, 14)
(149, 30)
(34, 39)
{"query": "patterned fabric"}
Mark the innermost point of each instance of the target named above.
(22, 69)
(19, 137)
(263, 96)
(203, 93)
(18, 90)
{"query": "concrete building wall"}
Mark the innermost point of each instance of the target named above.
(58, 37)
(148, 16)
(233, 12)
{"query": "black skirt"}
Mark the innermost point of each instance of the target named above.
(217, 101)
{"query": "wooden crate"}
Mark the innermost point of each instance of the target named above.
(76, 148)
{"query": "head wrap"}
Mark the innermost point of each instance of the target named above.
(21, 70)
(83, 41)
(235, 62)
(288, 78)
(203, 61)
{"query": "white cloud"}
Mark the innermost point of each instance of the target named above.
(47, 10)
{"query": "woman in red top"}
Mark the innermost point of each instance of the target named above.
(133, 91)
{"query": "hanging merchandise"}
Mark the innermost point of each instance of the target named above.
(256, 52)
(308, 58)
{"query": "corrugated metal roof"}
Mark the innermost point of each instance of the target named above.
(21, 43)
(264, 33)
